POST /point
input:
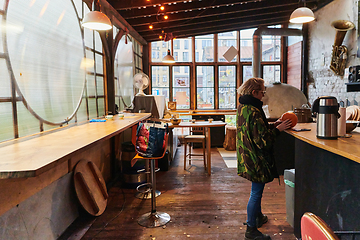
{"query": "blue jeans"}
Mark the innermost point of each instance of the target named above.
(254, 204)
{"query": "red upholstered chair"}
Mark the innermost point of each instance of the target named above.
(314, 228)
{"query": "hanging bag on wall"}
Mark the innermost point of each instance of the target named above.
(150, 138)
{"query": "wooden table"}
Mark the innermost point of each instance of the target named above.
(31, 156)
(207, 126)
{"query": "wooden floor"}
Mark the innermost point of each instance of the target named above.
(200, 206)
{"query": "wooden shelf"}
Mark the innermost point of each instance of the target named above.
(353, 87)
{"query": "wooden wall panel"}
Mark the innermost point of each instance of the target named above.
(294, 65)
(16, 190)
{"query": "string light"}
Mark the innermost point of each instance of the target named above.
(162, 8)
(166, 17)
(151, 26)
(160, 37)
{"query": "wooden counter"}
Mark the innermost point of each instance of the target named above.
(346, 147)
(327, 176)
(32, 156)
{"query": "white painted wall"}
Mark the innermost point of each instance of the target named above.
(323, 81)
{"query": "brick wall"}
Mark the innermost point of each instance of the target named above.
(322, 81)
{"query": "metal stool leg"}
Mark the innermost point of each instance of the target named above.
(146, 194)
(154, 218)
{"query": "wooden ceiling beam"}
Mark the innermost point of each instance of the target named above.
(221, 12)
(234, 17)
(197, 6)
(208, 29)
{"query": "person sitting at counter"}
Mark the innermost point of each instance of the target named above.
(254, 144)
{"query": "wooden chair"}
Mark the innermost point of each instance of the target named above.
(198, 137)
(153, 218)
(313, 227)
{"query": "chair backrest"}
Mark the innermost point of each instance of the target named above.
(314, 228)
(197, 130)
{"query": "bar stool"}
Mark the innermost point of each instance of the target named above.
(143, 194)
(154, 218)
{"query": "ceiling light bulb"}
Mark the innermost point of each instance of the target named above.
(166, 17)
(151, 26)
(160, 37)
(162, 8)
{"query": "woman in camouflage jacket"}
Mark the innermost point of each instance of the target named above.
(254, 143)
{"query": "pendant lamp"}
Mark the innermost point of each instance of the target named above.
(302, 15)
(168, 58)
(96, 20)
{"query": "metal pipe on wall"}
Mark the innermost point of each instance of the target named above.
(257, 36)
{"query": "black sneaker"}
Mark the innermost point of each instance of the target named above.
(261, 219)
(253, 234)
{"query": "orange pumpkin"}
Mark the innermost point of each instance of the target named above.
(291, 116)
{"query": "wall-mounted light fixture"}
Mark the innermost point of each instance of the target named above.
(95, 19)
(168, 58)
(302, 15)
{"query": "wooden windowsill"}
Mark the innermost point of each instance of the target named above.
(37, 154)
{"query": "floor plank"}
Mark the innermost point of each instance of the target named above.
(200, 206)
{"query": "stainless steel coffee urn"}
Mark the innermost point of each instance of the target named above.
(327, 109)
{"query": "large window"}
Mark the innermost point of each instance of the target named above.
(207, 80)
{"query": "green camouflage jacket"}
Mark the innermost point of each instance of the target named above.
(254, 144)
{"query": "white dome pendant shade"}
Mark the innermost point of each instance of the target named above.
(168, 58)
(302, 15)
(96, 20)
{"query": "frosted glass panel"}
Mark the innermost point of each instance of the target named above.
(91, 85)
(6, 122)
(101, 106)
(98, 43)
(46, 50)
(124, 69)
(99, 63)
(5, 89)
(81, 113)
(100, 85)
(92, 108)
(28, 124)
